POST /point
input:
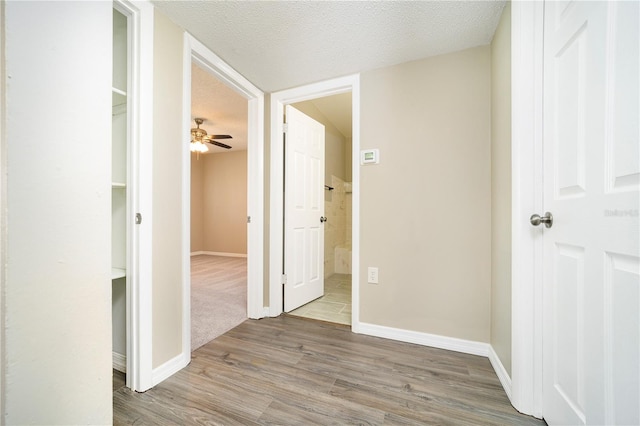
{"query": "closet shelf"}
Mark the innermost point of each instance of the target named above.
(118, 273)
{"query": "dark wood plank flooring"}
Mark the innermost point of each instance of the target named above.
(294, 371)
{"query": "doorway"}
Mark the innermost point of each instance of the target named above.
(334, 112)
(218, 208)
(212, 64)
(349, 84)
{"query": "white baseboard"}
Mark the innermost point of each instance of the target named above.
(426, 339)
(119, 362)
(169, 368)
(216, 253)
(441, 342)
(501, 372)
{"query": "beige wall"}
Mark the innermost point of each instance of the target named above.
(224, 202)
(56, 347)
(197, 211)
(167, 199)
(425, 209)
(501, 190)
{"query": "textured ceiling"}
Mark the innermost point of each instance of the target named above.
(283, 44)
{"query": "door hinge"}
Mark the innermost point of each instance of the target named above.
(248, 219)
(284, 279)
(285, 128)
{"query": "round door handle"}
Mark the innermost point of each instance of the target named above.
(323, 219)
(547, 219)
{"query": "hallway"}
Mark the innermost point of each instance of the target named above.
(291, 371)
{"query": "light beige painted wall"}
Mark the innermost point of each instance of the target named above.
(56, 353)
(425, 210)
(224, 192)
(167, 199)
(501, 189)
(197, 210)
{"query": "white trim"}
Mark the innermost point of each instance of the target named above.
(276, 212)
(501, 372)
(186, 201)
(526, 307)
(217, 253)
(170, 367)
(139, 321)
(197, 52)
(119, 362)
(425, 339)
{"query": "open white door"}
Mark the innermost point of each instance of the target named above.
(304, 210)
(591, 351)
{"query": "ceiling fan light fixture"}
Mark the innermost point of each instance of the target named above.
(200, 136)
(198, 147)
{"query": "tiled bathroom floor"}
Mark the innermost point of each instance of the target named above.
(334, 306)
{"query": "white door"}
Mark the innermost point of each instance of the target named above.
(304, 210)
(591, 350)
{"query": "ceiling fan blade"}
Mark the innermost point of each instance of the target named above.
(220, 144)
(220, 137)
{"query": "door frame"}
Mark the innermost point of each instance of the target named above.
(527, 21)
(139, 282)
(195, 51)
(276, 199)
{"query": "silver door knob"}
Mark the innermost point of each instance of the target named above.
(547, 219)
(323, 219)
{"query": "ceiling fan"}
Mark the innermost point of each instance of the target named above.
(199, 137)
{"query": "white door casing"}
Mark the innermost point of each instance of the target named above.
(591, 262)
(276, 177)
(197, 52)
(304, 209)
(140, 100)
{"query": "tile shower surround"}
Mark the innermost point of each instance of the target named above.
(337, 231)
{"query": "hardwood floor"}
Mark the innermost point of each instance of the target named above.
(295, 371)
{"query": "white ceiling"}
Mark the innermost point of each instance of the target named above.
(282, 44)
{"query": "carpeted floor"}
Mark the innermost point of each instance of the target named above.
(218, 296)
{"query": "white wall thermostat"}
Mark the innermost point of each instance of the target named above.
(369, 156)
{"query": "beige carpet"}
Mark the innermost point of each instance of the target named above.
(218, 296)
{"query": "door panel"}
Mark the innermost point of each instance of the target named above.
(304, 206)
(591, 351)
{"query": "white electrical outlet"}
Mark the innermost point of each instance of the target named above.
(372, 275)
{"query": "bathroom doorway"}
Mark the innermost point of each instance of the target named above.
(334, 112)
